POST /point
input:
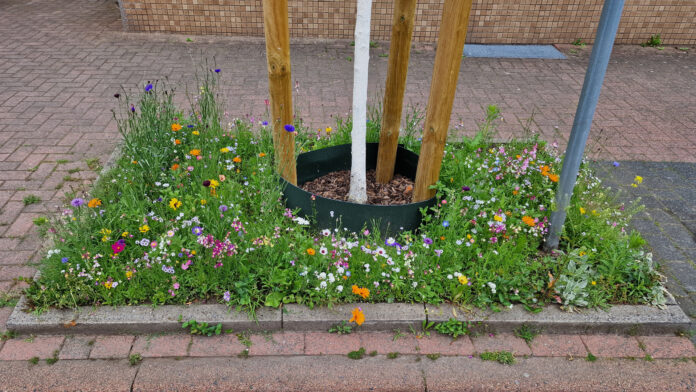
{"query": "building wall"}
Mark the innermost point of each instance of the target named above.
(492, 21)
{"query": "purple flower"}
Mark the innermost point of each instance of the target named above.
(117, 95)
(427, 241)
(264, 123)
(222, 208)
(217, 70)
(227, 296)
(197, 230)
(64, 260)
(206, 183)
(132, 108)
(445, 223)
(77, 202)
(616, 164)
(466, 188)
(290, 128)
(189, 126)
(438, 252)
(148, 87)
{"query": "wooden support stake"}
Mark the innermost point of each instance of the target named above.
(277, 32)
(399, 52)
(448, 58)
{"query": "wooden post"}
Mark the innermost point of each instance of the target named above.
(277, 32)
(399, 52)
(448, 58)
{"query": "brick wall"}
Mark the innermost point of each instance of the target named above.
(492, 21)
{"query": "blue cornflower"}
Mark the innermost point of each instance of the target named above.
(148, 87)
(616, 164)
(77, 202)
(64, 260)
(222, 208)
(427, 241)
(264, 123)
(290, 128)
(189, 126)
(217, 70)
(227, 296)
(445, 223)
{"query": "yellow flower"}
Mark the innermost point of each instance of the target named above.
(594, 212)
(214, 183)
(124, 234)
(176, 127)
(174, 203)
(358, 316)
(582, 210)
(94, 203)
(462, 279)
(134, 162)
(329, 130)
(498, 218)
(203, 201)
(634, 185)
(107, 285)
(638, 180)
(224, 150)
(594, 283)
(582, 253)
(129, 274)
(196, 133)
(144, 228)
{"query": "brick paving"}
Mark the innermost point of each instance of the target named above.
(61, 63)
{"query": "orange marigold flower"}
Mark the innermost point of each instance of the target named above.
(177, 141)
(195, 152)
(363, 292)
(236, 159)
(515, 192)
(175, 166)
(311, 251)
(529, 221)
(261, 155)
(358, 316)
(176, 127)
(553, 177)
(94, 203)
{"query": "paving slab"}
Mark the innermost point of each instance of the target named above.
(324, 343)
(668, 346)
(613, 346)
(502, 342)
(330, 373)
(547, 345)
(445, 345)
(77, 347)
(551, 374)
(281, 343)
(215, 346)
(108, 347)
(23, 349)
(67, 375)
(161, 346)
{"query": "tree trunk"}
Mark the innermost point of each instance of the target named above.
(358, 188)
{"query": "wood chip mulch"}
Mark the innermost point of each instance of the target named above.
(336, 185)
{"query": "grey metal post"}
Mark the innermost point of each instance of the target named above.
(601, 51)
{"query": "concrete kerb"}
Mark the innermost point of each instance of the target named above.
(620, 319)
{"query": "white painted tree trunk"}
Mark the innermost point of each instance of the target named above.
(358, 188)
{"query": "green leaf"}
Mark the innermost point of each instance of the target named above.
(273, 299)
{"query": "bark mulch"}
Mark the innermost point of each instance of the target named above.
(336, 185)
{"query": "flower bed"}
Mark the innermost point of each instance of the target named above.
(192, 211)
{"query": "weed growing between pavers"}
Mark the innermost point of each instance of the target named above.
(503, 357)
(192, 211)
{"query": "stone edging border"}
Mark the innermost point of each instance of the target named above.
(143, 319)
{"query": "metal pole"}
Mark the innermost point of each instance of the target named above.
(601, 51)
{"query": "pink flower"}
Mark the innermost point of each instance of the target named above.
(118, 246)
